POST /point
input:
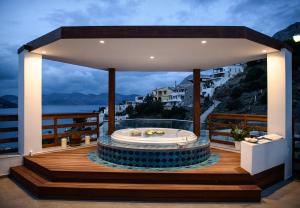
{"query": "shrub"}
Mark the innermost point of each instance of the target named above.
(264, 99)
(254, 74)
(234, 104)
(236, 92)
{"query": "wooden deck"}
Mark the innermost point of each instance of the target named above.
(70, 174)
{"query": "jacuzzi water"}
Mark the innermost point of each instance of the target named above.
(167, 138)
(174, 148)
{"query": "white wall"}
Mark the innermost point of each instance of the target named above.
(279, 67)
(30, 103)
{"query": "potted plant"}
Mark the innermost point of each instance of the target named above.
(238, 134)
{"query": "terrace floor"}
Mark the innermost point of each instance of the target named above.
(70, 174)
(76, 160)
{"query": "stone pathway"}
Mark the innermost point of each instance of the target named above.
(209, 110)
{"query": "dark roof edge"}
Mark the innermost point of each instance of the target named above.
(267, 40)
(43, 40)
(77, 32)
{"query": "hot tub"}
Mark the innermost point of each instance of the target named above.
(163, 137)
(174, 148)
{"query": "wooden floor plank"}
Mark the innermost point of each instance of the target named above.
(76, 160)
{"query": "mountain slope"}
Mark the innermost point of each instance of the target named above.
(68, 99)
(246, 92)
(288, 33)
(7, 104)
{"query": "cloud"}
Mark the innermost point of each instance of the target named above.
(32, 20)
(266, 16)
(58, 77)
(67, 78)
(143, 82)
(96, 13)
(8, 69)
(263, 15)
(197, 3)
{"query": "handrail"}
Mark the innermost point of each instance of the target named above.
(53, 138)
(8, 117)
(7, 130)
(227, 121)
(156, 119)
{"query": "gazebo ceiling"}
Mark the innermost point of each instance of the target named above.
(174, 48)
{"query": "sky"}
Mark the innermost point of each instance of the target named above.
(24, 20)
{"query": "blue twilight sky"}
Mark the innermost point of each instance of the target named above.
(24, 20)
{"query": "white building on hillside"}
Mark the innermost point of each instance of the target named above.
(178, 96)
(214, 78)
(139, 99)
(120, 109)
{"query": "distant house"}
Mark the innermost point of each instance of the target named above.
(181, 95)
(120, 109)
(162, 94)
(139, 99)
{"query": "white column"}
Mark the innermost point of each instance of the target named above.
(279, 66)
(30, 103)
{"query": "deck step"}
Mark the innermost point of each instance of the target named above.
(43, 188)
(178, 177)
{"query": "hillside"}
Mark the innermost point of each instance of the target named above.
(7, 104)
(288, 33)
(246, 92)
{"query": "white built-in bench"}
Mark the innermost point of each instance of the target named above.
(258, 157)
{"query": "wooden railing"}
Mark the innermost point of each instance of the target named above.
(220, 124)
(53, 138)
(55, 133)
(13, 130)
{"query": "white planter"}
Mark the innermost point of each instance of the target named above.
(237, 145)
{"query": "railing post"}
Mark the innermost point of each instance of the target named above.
(98, 125)
(55, 132)
(209, 127)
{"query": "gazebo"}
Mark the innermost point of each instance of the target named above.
(154, 48)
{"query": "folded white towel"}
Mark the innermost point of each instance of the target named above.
(272, 137)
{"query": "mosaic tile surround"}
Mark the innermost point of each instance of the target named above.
(213, 159)
(153, 157)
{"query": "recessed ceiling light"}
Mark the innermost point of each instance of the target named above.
(44, 52)
(264, 51)
(152, 57)
(203, 41)
(101, 41)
